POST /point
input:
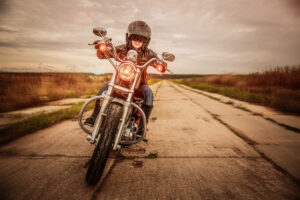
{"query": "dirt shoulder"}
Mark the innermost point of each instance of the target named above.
(19, 115)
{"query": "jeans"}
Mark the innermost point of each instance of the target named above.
(143, 91)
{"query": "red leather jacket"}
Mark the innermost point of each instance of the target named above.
(143, 57)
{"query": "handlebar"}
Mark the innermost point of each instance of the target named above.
(115, 54)
(107, 41)
(147, 63)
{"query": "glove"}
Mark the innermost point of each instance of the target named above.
(160, 66)
(100, 54)
(103, 47)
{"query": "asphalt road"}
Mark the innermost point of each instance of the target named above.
(205, 149)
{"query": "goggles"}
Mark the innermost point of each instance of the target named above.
(138, 38)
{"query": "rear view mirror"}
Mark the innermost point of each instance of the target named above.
(101, 32)
(168, 56)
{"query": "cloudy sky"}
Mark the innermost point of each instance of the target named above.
(206, 36)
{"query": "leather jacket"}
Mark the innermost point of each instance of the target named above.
(143, 57)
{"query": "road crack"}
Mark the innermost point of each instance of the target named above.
(34, 155)
(240, 107)
(248, 140)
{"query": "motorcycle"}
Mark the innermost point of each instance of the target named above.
(118, 122)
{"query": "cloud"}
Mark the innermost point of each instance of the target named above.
(9, 44)
(294, 6)
(206, 36)
(8, 30)
(4, 6)
(179, 36)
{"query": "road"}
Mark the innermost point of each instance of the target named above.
(205, 149)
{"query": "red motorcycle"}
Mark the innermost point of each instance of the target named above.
(120, 114)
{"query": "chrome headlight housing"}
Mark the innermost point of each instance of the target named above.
(127, 71)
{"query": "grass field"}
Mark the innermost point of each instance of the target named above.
(277, 88)
(20, 90)
(23, 90)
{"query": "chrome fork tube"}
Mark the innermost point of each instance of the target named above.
(106, 101)
(111, 83)
(126, 106)
(99, 119)
(123, 120)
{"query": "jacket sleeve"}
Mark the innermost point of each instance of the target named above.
(151, 54)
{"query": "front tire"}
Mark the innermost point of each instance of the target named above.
(104, 145)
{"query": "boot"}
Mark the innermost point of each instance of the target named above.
(147, 110)
(90, 121)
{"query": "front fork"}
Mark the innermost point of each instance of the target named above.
(98, 122)
(121, 127)
(96, 134)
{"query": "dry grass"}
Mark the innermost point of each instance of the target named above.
(278, 88)
(279, 77)
(153, 81)
(20, 90)
(23, 90)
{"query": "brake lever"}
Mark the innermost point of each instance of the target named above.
(103, 40)
(94, 43)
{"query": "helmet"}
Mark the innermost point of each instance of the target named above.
(139, 28)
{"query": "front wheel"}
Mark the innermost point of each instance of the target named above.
(104, 145)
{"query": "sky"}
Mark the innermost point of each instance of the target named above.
(206, 36)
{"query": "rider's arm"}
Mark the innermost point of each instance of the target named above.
(152, 54)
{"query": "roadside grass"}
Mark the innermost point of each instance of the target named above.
(21, 90)
(153, 81)
(37, 122)
(278, 88)
(152, 155)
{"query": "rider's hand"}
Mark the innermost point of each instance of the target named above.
(100, 54)
(160, 66)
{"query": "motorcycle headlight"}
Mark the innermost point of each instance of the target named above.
(127, 72)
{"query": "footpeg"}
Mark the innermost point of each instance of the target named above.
(89, 138)
(145, 140)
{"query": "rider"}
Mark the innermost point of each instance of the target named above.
(138, 37)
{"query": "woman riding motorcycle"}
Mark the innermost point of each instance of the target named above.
(138, 37)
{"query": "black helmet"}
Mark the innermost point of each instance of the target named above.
(138, 28)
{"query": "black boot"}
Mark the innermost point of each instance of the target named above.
(147, 110)
(90, 121)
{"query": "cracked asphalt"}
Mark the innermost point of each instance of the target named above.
(200, 149)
